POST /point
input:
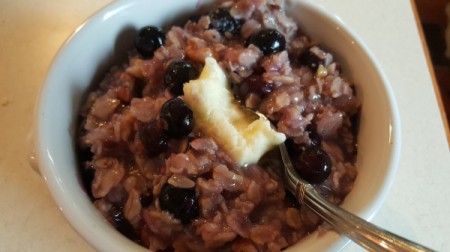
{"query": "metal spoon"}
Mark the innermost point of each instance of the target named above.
(358, 230)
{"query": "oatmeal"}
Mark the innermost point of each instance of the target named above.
(156, 172)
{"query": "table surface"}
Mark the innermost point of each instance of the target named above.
(31, 31)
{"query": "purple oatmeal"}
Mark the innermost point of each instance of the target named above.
(162, 181)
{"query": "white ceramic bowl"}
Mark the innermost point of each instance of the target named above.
(104, 39)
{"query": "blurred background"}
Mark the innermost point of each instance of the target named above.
(434, 16)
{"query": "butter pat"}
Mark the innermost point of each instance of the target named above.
(221, 117)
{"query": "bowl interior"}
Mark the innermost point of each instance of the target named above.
(103, 41)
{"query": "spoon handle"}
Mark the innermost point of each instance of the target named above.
(358, 230)
(364, 233)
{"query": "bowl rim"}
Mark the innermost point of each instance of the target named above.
(73, 213)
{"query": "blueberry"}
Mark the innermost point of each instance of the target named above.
(181, 202)
(313, 165)
(122, 224)
(116, 214)
(177, 73)
(312, 57)
(148, 39)
(178, 116)
(268, 41)
(154, 137)
(222, 21)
